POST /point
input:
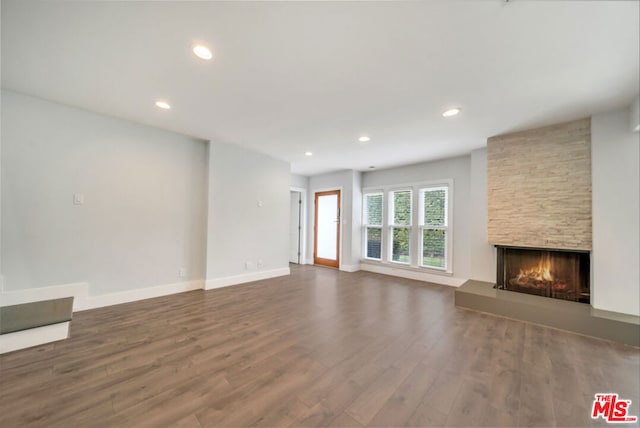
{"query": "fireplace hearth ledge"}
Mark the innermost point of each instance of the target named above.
(561, 314)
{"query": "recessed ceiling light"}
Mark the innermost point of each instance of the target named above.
(308, 154)
(364, 139)
(451, 112)
(163, 105)
(372, 167)
(202, 51)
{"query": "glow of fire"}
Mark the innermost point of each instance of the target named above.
(542, 272)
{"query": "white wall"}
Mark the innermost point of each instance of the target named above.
(483, 254)
(616, 219)
(1, 276)
(144, 215)
(457, 169)
(248, 215)
(299, 181)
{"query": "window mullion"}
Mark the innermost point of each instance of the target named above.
(415, 228)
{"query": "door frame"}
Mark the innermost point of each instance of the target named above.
(303, 223)
(313, 221)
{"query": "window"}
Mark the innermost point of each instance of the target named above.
(434, 227)
(409, 226)
(400, 225)
(373, 206)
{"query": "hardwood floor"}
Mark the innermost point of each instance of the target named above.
(317, 348)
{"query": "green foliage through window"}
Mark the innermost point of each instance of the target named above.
(374, 209)
(433, 247)
(400, 245)
(374, 243)
(402, 208)
(392, 221)
(435, 207)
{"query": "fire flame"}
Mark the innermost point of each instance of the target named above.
(541, 272)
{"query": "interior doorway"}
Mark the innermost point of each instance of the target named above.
(326, 242)
(295, 228)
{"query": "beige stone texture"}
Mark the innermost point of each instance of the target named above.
(539, 187)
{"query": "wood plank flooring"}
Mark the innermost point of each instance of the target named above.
(317, 348)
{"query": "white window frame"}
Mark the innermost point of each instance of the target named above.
(415, 244)
(393, 226)
(366, 226)
(445, 227)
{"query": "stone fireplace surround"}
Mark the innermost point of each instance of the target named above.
(539, 196)
(539, 187)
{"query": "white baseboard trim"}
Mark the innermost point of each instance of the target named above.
(33, 337)
(309, 261)
(82, 301)
(411, 274)
(142, 294)
(350, 268)
(226, 281)
(79, 291)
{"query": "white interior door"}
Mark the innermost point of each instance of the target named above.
(294, 227)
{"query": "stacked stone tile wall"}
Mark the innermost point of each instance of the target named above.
(539, 187)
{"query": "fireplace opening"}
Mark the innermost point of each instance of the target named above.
(558, 274)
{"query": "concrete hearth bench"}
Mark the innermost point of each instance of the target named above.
(576, 317)
(34, 323)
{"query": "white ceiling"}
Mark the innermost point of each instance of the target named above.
(290, 77)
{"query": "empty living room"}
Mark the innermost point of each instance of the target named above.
(319, 213)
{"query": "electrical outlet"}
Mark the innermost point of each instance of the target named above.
(260, 264)
(78, 199)
(182, 272)
(248, 265)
